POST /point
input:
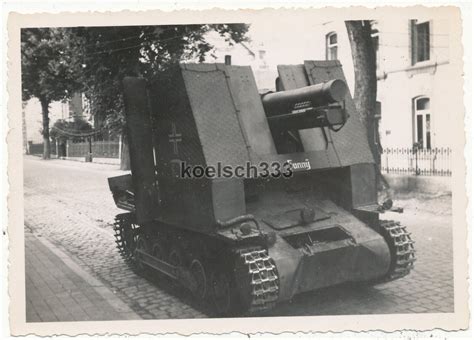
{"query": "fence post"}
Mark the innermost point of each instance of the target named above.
(416, 162)
(89, 154)
(415, 152)
(120, 147)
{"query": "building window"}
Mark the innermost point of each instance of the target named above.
(331, 46)
(422, 122)
(261, 56)
(376, 44)
(64, 109)
(420, 41)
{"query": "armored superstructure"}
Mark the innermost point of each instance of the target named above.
(305, 217)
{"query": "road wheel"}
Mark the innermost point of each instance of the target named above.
(142, 245)
(158, 250)
(222, 293)
(199, 275)
(176, 257)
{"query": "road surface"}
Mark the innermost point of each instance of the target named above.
(69, 204)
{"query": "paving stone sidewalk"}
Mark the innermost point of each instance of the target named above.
(57, 289)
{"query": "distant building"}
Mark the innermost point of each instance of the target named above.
(77, 106)
(413, 69)
(414, 72)
(251, 54)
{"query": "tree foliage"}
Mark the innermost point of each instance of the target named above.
(108, 54)
(47, 70)
(74, 130)
(94, 60)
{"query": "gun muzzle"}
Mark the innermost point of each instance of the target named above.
(283, 102)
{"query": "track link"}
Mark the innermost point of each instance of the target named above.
(262, 277)
(401, 249)
(125, 237)
(256, 272)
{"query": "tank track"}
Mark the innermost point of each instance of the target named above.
(401, 250)
(125, 245)
(262, 277)
(255, 272)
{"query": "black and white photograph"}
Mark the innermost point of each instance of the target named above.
(246, 166)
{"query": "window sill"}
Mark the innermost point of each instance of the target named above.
(421, 67)
(428, 66)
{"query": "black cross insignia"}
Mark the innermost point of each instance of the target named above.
(175, 138)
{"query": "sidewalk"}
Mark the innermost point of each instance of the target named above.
(114, 169)
(98, 160)
(57, 289)
(82, 159)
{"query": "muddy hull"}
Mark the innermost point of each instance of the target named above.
(329, 252)
(328, 264)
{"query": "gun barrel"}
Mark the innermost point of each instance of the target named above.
(283, 102)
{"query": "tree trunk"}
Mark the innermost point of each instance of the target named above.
(46, 143)
(365, 94)
(363, 56)
(125, 154)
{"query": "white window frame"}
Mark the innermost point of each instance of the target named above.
(423, 113)
(375, 35)
(330, 46)
(415, 41)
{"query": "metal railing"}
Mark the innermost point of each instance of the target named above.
(415, 161)
(37, 148)
(101, 149)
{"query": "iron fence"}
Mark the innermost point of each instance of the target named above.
(414, 161)
(37, 148)
(100, 149)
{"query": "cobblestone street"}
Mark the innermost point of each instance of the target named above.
(69, 204)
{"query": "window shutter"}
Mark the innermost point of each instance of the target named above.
(431, 40)
(413, 40)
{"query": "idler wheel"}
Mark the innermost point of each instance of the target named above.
(199, 275)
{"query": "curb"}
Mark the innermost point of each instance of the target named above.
(98, 286)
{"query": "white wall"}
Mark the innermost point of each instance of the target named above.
(57, 110)
(399, 82)
(253, 54)
(402, 82)
(290, 41)
(34, 118)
